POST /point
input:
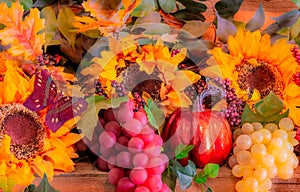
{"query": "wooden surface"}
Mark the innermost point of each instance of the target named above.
(88, 178)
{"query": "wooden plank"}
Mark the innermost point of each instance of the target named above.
(88, 177)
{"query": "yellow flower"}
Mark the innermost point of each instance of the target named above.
(27, 146)
(255, 67)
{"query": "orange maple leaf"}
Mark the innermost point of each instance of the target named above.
(23, 36)
(104, 19)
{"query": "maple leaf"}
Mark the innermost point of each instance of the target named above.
(103, 18)
(23, 36)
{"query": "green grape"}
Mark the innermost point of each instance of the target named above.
(243, 157)
(286, 123)
(260, 174)
(247, 128)
(266, 184)
(271, 127)
(272, 171)
(236, 133)
(238, 170)
(244, 142)
(258, 149)
(257, 137)
(257, 126)
(280, 154)
(267, 135)
(280, 133)
(251, 183)
(268, 160)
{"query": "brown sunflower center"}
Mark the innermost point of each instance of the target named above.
(24, 128)
(263, 77)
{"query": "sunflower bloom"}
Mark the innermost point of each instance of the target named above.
(255, 67)
(29, 147)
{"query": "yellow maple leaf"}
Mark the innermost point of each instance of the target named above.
(23, 36)
(103, 18)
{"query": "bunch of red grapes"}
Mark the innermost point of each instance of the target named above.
(130, 150)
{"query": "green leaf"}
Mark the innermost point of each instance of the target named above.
(185, 174)
(44, 186)
(30, 188)
(156, 28)
(269, 105)
(26, 4)
(65, 20)
(227, 8)
(169, 178)
(89, 118)
(156, 116)
(257, 20)
(249, 116)
(167, 5)
(200, 178)
(144, 8)
(297, 2)
(43, 3)
(50, 25)
(153, 17)
(193, 6)
(211, 170)
(186, 15)
(194, 29)
(276, 118)
(295, 29)
(182, 150)
(225, 28)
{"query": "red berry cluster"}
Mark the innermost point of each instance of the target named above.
(130, 150)
(1, 77)
(298, 135)
(175, 52)
(296, 54)
(296, 78)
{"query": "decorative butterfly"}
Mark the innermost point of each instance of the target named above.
(61, 108)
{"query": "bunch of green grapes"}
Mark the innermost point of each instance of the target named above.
(261, 153)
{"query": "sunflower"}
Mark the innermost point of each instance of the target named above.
(257, 67)
(151, 68)
(27, 146)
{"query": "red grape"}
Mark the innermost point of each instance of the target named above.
(114, 175)
(125, 185)
(122, 143)
(165, 188)
(124, 112)
(135, 144)
(156, 166)
(109, 115)
(124, 159)
(106, 152)
(147, 134)
(102, 165)
(142, 117)
(152, 150)
(154, 183)
(141, 189)
(140, 160)
(114, 127)
(111, 162)
(107, 139)
(132, 127)
(102, 121)
(138, 175)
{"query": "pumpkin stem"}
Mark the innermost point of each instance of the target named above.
(212, 90)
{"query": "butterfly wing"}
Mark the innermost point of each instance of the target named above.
(64, 109)
(44, 92)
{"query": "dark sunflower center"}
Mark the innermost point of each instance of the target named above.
(264, 78)
(24, 128)
(21, 129)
